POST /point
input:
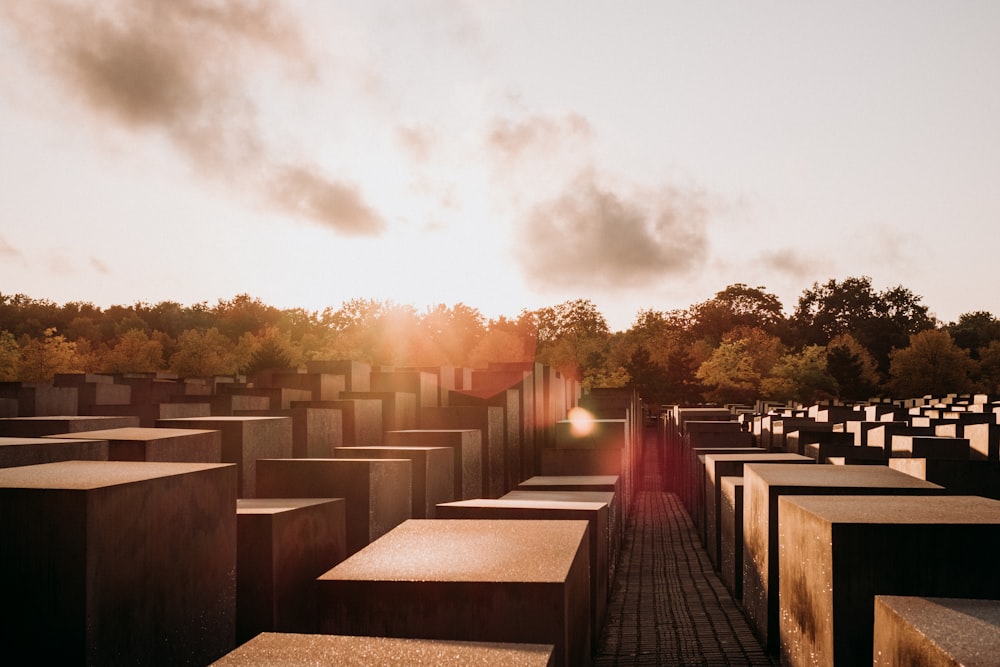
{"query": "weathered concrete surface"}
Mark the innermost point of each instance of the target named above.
(33, 451)
(283, 544)
(936, 632)
(470, 580)
(377, 491)
(763, 484)
(118, 563)
(839, 552)
(302, 650)
(167, 445)
(37, 427)
(433, 471)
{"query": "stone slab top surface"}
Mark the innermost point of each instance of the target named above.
(339, 461)
(916, 510)
(791, 475)
(45, 440)
(435, 430)
(298, 650)
(468, 550)
(59, 418)
(87, 475)
(223, 418)
(753, 457)
(606, 497)
(569, 480)
(132, 433)
(526, 503)
(393, 448)
(726, 450)
(968, 630)
(278, 505)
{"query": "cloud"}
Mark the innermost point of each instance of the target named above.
(184, 70)
(798, 264)
(9, 252)
(591, 236)
(511, 139)
(99, 266)
(418, 141)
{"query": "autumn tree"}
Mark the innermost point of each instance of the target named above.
(735, 370)
(10, 357)
(42, 358)
(135, 352)
(572, 337)
(203, 354)
(800, 376)
(932, 364)
(974, 331)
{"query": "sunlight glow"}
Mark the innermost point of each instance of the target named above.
(582, 422)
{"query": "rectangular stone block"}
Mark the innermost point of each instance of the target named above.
(466, 446)
(935, 632)
(177, 445)
(376, 491)
(851, 454)
(118, 563)
(930, 447)
(283, 545)
(424, 386)
(15, 452)
(36, 427)
(316, 432)
(357, 374)
(576, 462)
(509, 402)
(432, 470)
(796, 441)
(615, 524)
(37, 400)
(244, 441)
(838, 553)
(269, 649)
(468, 580)
(361, 419)
(399, 409)
(693, 480)
(596, 514)
(763, 484)
(731, 535)
(489, 421)
(722, 465)
(967, 478)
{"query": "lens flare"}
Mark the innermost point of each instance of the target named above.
(581, 422)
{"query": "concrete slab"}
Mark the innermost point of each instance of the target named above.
(432, 468)
(722, 465)
(300, 650)
(118, 563)
(936, 632)
(244, 440)
(283, 544)
(16, 452)
(466, 445)
(731, 534)
(377, 491)
(763, 484)
(37, 427)
(596, 514)
(469, 580)
(177, 445)
(839, 552)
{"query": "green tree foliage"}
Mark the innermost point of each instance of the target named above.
(135, 352)
(879, 321)
(974, 331)
(736, 306)
(42, 358)
(989, 367)
(734, 372)
(932, 364)
(852, 368)
(10, 357)
(272, 350)
(572, 337)
(801, 377)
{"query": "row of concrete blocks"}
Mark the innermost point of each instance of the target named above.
(195, 644)
(809, 550)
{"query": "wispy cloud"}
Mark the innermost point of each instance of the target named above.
(511, 139)
(184, 70)
(594, 236)
(9, 252)
(99, 266)
(798, 264)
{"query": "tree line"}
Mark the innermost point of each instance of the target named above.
(843, 340)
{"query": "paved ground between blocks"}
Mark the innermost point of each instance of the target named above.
(668, 606)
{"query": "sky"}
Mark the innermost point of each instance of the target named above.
(502, 154)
